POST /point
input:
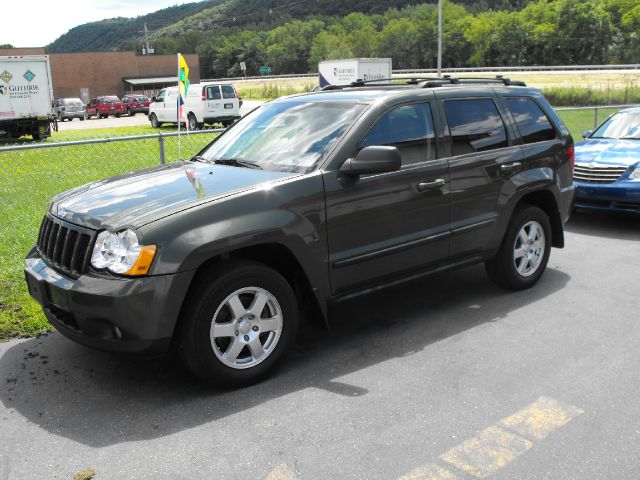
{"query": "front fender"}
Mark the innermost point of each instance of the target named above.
(290, 214)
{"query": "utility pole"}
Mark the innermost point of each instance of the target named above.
(146, 38)
(439, 38)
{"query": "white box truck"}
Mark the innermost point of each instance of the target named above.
(26, 96)
(343, 72)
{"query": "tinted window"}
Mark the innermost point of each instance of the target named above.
(228, 91)
(532, 122)
(475, 125)
(409, 128)
(213, 93)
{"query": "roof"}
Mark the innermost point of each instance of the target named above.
(149, 81)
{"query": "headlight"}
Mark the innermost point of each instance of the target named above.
(122, 253)
(635, 174)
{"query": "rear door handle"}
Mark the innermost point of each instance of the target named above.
(437, 183)
(509, 166)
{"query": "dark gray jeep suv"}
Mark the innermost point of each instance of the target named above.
(308, 200)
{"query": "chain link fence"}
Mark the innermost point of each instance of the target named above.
(31, 174)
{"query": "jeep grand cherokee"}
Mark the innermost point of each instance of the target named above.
(308, 200)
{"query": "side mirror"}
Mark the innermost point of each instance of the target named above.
(586, 133)
(374, 159)
(153, 99)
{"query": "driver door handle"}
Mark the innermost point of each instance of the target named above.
(509, 166)
(424, 186)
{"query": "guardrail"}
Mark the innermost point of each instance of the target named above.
(530, 68)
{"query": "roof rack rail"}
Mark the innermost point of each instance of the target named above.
(376, 82)
(448, 80)
(429, 82)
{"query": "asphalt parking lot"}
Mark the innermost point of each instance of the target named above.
(447, 378)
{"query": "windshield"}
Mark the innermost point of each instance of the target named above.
(621, 125)
(287, 136)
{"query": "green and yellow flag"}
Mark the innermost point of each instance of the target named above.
(183, 77)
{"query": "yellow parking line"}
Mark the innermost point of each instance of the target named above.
(541, 418)
(282, 472)
(429, 472)
(487, 452)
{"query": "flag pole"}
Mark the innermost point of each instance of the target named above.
(178, 109)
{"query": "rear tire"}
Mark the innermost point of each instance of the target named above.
(224, 338)
(524, 252)
(129, 112)
(193, 121)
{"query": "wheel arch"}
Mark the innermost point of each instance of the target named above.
(281, 259)
(545, 200)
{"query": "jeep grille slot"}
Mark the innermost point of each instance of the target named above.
(64, 246)
(598, 174)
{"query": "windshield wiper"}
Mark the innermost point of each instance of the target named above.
(236, 162)
(629, 138)
(200, 158)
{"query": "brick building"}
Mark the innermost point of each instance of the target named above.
(89, 74)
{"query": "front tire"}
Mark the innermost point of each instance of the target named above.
(154, 121)
(239, 320)
(524, 252)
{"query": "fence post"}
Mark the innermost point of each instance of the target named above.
(161, 146)
(595, 118)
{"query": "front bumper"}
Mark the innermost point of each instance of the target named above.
(134, 315)
(620, 196)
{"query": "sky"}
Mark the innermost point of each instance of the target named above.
(42, 21)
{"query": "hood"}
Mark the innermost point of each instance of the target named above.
(608, 151)
(135, 199)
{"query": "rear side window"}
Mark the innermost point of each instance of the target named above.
(533, 123)
(228, 91)
(409, 128)
(475, 125)
(213, 93)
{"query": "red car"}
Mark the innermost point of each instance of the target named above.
(102, 107)
(133, 104)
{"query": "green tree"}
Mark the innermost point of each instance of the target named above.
(399, 40)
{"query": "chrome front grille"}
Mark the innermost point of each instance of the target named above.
(64, 246)
(598, 173)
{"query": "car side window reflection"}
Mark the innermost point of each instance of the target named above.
(475, 125)
(408, 128)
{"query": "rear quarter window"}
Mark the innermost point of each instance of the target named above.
(532, 122)
(228, 91)
(475, 125)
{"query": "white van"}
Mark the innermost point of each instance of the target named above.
(206, 103)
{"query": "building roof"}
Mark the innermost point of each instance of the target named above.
(150, 81)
